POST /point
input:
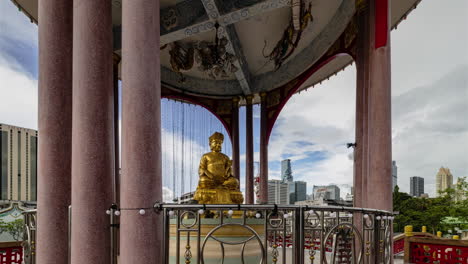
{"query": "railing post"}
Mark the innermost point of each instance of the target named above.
(375, 253)
(299, 236)
(322, 236)
(113, 234)
(69, 232)
(265, 255)
(407, 255)
(166, 231)
(29, 242)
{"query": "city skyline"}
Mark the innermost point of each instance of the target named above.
(313, 128)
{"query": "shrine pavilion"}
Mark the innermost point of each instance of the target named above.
(219, 54)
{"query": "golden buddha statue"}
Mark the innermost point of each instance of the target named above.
(217, 185)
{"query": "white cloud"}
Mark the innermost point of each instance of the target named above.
(18, 100)
(320, 120)
(430, 129)
(167, 195)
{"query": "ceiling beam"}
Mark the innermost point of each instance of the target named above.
(189, 17)
(234, 46)
(231, 17)
(243, 74)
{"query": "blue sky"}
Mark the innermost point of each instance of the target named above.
(429, 104)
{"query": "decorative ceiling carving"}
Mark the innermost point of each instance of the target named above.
(246, 25)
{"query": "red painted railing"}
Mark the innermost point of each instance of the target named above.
(433, 250)
(399, 241)
(398, 246)
(11, 253)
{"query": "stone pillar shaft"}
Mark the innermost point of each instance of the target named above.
(373, 153)
(141, 235)
(93, 131)
(249, 153)
(263, 150)
(235, 138)
(362, 111)
(55, 130)
(379, 178)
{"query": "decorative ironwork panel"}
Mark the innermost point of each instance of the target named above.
(439, 254)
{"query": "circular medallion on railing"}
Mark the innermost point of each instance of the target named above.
(190, 218)
(312, 219)
(254, 235)
(343, 243)
(275, 219)
(368, 221)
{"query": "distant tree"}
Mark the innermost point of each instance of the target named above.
(399, 205)
(2, 226)
(460, 209)
(15, 228)
(420, 212)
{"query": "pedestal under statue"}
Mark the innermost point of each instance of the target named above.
(217, 185)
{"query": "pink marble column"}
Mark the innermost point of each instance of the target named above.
(235, 138)
(141, 180)
(263, 150)
(249, 152)
(379, 179)
(55, 130)
(362, 111)
(93, 136)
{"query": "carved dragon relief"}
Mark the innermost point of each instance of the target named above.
(288, 43)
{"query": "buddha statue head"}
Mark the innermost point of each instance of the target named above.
(216, 141)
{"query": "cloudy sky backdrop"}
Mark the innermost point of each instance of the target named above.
(429, 103)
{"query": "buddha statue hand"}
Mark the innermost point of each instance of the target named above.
(231, 183)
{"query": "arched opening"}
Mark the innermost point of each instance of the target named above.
(185, 129)
(313, 129)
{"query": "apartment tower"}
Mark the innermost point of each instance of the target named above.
(18, 163)
(444, 180)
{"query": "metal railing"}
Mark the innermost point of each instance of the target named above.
(262, 234)
(29, 236)
(278, 234)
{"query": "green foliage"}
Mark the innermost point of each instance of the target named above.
(15, 228)
(430, 212)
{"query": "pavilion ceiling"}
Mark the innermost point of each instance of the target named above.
(254, 52)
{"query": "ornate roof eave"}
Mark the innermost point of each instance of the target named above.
(31, 18)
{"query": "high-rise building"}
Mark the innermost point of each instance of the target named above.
(278, 192)
(328, 192)
(286, 171)
(301, 191)
(18, 163)
(297, 191)
(444, 180)
(394, 175)
(416, 186)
